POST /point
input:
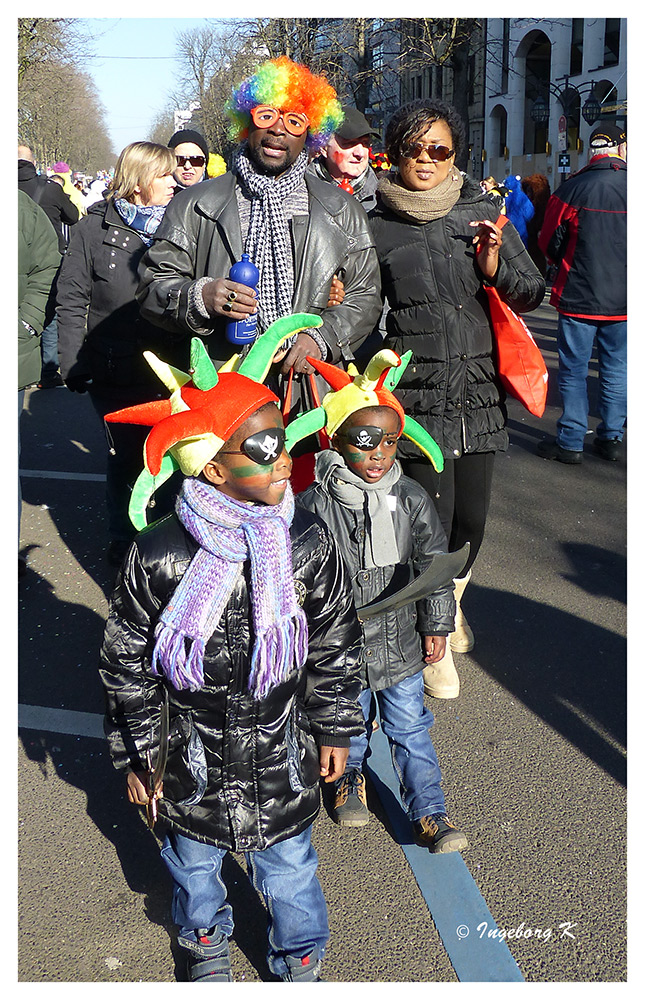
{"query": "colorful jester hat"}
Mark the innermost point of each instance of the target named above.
(205, 408)
(352, 392)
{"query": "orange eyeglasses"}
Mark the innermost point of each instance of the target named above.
(264, 117)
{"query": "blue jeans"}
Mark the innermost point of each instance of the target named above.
(285, 874)
(575, 343)
(49, 348)
(405, 721)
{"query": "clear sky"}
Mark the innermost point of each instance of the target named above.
(134, 69)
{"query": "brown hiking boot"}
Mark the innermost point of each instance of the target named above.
(350, 805)
(437, 833)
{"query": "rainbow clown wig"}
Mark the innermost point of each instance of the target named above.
(287, 86)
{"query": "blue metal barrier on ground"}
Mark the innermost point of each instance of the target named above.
(455, 903)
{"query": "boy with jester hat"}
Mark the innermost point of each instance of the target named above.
(389, 532)
(232, 627)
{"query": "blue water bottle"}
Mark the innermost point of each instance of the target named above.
(243, 331)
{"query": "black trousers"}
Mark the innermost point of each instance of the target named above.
(461, 494)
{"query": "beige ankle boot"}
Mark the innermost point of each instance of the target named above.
(462, 639)
(440, 680)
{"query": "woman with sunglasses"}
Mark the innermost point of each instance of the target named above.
(191, 150)
(101, 334)
(428, 223)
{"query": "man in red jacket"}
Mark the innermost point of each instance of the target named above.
(585, 234)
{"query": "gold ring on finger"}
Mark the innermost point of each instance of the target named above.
(231, 296)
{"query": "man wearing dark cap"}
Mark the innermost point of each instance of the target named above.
(191, 150)
(585, 234)
(345, 160)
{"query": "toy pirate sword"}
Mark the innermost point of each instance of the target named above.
(445, 566)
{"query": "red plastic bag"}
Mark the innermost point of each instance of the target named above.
(519, 362)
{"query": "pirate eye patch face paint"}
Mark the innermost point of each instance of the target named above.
(262, 448)
(369, 449)
(255, 468)
(366, 437)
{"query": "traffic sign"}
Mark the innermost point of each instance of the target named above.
(562, 133)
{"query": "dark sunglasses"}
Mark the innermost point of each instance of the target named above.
(197, 161)
(262, 448)
(366, 438)
(415, 149)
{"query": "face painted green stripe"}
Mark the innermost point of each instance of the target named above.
(249, 471)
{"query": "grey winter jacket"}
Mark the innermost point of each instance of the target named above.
(200, 236)
(392, 641)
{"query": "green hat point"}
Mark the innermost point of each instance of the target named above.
(395, 375)
(144, 488)
(424, 441)
(257, 362)
(308, 423)
(203, 370)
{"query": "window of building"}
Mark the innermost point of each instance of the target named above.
(472, 72)
(577, 38)
(612, 41)
(506, 52)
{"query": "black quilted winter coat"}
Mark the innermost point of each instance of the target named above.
(439, 310)
(241, 774)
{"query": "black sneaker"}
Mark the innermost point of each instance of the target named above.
(208, 958)
(611, 449)
(350, 805)
(437, 833)
(552, 450)
(303, 970)
(52, 380)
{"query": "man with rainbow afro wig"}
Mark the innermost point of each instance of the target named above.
(300, 232)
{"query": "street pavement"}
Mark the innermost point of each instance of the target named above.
(533, 751)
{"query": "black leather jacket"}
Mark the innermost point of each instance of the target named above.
(241, 774)
(200, 236)
(392, 641)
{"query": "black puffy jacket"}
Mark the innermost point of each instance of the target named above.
(242, 774)
(439, 310)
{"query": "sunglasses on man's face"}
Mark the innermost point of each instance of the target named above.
(414, 150)
(263, 448)
(196, 161)
(264, 117)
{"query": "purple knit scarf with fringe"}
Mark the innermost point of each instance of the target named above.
(229, 532)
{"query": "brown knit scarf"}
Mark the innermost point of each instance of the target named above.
(421, 206)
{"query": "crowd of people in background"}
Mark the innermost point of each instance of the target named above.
(370, 297)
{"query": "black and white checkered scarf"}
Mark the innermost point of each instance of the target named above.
(268, 243)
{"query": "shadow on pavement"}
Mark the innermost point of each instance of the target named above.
(574, 677)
